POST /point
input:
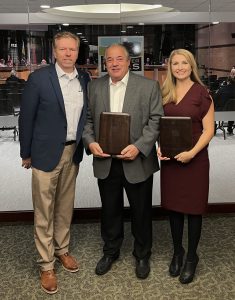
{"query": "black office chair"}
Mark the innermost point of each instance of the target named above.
(219, 125)
(6, 110)
(230, 105)
(14, 99)
(213, 86)
(212, 77)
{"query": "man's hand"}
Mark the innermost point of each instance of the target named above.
(97, 151)
(26, 163)
(129, 153)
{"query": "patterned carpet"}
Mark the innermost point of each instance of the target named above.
(215, 278)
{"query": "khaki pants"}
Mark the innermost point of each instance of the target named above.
(53, 200)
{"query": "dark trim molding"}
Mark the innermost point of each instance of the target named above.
(91, 215)
(216, 69)
(204, 26)
(215, 46)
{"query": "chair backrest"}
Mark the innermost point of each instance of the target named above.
(4, 92)
(230, 105)
(212, 77)
(14, 98)
(6, 107)
(213, 86)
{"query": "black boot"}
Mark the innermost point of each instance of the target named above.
(188, 271)
(176, 264)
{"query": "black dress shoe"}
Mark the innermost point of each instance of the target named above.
(105, 264)
(188, 271)
(142, 268)
(176, 264)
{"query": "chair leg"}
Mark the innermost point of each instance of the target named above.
(224, 133)
(221, 127)
(15, 133)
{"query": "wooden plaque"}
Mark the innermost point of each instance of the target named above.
(175, 135)
(114, 134)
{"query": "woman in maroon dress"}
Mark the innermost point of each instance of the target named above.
(185, 179)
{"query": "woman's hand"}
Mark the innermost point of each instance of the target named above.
(159, 154)
(184, 157)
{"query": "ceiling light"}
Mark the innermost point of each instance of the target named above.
(65, 24)
(79, 33)
(108, 8)
(45, 6)
(215, 22)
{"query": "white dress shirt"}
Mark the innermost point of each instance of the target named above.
(117, 93)
(73, 99)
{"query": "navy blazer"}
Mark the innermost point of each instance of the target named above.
(42, 121)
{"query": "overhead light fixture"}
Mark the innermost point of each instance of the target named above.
(45, 6)
(65, 24)
(79, 33)
(91, 12)
(215, 22)
(109, 8)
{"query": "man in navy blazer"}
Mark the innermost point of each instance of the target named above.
(52, 117)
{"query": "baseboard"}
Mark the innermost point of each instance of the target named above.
(85, 215)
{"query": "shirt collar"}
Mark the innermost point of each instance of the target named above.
(62, 73)
(124, 80)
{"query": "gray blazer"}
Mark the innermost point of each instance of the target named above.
(144, 104)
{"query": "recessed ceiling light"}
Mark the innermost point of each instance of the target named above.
(45, 6)
(109, 8)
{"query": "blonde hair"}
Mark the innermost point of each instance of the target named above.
(169, 85)
(65, 34)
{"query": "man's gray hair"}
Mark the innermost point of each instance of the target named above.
(118, 45)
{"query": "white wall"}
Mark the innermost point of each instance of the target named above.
(15, 182)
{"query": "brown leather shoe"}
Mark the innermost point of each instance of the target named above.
(48, 281)
(68, 262)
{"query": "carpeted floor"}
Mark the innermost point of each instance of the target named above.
(215, 277)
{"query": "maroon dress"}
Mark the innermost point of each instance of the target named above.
(185, 186)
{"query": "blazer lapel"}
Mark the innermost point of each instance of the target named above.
(81, 80)
(105, 93)
(130, 91)
(56, 85)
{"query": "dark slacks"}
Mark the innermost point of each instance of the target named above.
(140, 199)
